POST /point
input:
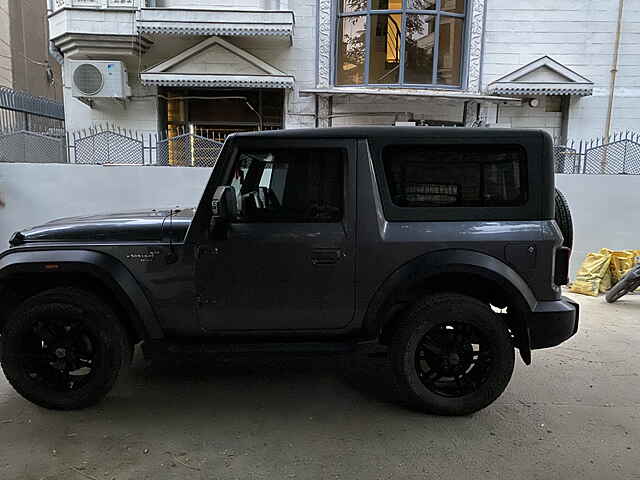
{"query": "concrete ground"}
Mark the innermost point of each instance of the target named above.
(575, 413)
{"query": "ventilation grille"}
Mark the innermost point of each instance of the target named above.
(88, 79)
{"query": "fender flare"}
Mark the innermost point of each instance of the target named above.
(430, 265)
(104, 268)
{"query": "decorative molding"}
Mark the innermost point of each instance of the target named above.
(324, 110)
(82, 45)
(325, 19)
(210, 29)
(474, 52)
(544, 76)
(211, 42)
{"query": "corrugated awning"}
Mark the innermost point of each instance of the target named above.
(217, 81)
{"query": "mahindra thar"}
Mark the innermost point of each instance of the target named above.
(448, 247)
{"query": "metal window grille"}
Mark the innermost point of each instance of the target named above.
(358, 10)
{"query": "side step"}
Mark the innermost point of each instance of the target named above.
(159, 347)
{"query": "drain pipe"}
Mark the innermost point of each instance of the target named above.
(612, 84)
(614, 70)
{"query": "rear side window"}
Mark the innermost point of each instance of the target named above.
(456, 175)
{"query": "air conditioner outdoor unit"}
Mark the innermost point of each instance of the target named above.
(99, 79)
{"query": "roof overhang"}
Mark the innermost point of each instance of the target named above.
(222, 22)
(408, 92)
(216, 63)
(544, 76)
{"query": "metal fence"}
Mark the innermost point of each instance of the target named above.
(615, 155)
(20, 111)
(112, 145)
(31, 128)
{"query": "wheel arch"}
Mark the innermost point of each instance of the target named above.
(461, 271)
(28, 272)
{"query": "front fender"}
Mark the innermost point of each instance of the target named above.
(428, 266)
(104, 268)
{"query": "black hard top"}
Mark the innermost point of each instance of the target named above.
(395, 132)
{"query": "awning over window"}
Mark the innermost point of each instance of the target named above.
(216, 63)
(215, 21)
(544, 76)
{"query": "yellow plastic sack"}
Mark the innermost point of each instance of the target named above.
(593, 270)
(621, 263)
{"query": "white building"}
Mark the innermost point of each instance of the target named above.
(233, 65)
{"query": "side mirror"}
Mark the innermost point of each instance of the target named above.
(224, 207)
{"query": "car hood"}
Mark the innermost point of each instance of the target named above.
(135, 226)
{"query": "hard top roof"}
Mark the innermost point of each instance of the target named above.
(395, 132)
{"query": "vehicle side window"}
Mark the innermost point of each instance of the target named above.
(293, 185)
(456, 176)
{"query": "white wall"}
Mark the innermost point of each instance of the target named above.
(579, 34)
(605, 212)
(35, 193)
(604, 208)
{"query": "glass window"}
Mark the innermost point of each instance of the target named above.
(456, 176)
(384, 60)
(420, 42)
(290, 185)
(422, 4)
(386, 4)
(450, 51)
(351, 53)
(452, 6)
(348, 6)
(395, 42)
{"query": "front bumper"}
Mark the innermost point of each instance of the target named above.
(551, 323)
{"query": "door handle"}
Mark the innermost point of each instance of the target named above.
(325, 256)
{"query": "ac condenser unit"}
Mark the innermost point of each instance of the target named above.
(99, 79)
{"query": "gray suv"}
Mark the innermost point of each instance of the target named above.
(446, 246)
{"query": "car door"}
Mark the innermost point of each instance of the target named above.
(287, 262)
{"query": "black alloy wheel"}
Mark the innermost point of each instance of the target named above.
(64, 348)
(454, 359)
(451, 354)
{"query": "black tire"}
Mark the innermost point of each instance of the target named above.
(616, 292)
(627, 284)
(64, 348)
(435, 332)
(563, 218)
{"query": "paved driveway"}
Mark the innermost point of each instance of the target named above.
(574, 414)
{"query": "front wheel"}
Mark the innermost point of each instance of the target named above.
(452, 355)
(63, 349)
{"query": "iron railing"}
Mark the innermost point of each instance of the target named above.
(618, 154)
(113, 145)
(20, 111)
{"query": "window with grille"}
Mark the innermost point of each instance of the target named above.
(400, 42)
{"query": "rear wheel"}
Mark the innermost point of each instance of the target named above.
(452, 355)
(64, 348)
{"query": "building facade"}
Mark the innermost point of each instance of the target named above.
(25, 61)
(225, 66)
